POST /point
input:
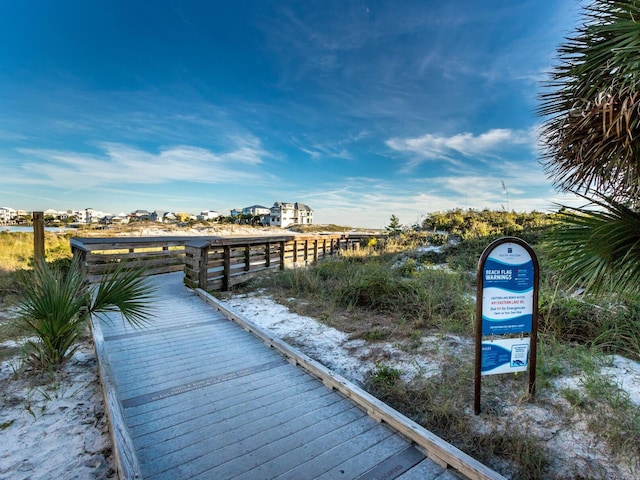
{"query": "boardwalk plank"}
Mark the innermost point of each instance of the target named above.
(308, 450)
(203, 423)
(230, 459)
(361, 463)
(338, 453)
(231, 429)
(159, 380)
(260, 449)
(281, 379)
(427, 470)
(204, 399)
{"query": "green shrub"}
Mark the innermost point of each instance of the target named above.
(57, 305)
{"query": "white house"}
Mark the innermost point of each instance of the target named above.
(89, 215)
(284, 214)
(7, 214)
(208, 215)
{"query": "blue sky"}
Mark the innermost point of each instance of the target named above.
(360, 109)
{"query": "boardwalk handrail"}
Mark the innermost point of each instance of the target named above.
(157, 254)
(220, 263)
(211, 263)
(434, 447)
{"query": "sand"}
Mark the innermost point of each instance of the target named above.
(54, 426)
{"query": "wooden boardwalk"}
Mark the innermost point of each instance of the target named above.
(194, 396)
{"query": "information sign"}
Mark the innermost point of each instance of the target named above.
(507, 294)
(508, 355)
(506, 307)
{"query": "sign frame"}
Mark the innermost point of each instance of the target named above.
(521, 328)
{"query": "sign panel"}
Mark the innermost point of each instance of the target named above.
(506, 304)
(507, 294)
(507, 355)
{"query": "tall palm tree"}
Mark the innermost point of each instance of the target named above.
(592, 139)
(57, 305)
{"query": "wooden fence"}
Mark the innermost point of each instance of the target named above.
(211, 263)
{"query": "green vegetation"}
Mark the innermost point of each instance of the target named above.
(395, 227)
(57, 304)
(319, 228)
(16, 255)
(592, 120)
(397, 291)
(53, 300)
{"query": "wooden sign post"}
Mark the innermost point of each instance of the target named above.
(38, 237)
(506, 311)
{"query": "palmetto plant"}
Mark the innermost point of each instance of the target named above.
(57, 305)
(593, 131)
(592, 139)
(600, 249)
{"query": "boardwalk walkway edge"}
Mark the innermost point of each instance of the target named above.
(126, 460)
(434, 447)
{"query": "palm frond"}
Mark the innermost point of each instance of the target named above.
(599, 249)
(125, 289)
(52, 309)
(56, 305)
(592, 133)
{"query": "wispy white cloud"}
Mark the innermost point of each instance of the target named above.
(440, 147)
(121, 164)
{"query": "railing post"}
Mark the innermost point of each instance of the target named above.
(315, 251)
(79, 251)
(203, 267)
(267, 253)
(282, 256)
(295, 252)
(247, 258)
(227, 268)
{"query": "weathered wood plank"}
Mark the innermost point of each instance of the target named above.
(335, 455)
(298, 453)
(151, 417)
(194, 439)
(427, 470)
(248, 454)
(263, 394)
(126, 459)
(208, 400)
(437, 449)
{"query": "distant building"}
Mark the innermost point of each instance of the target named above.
(256, 210)
(89, 215)
(159, 216)
(7, 215)
(119, 219)
(284, 214)
(208, 215)
(140, 216)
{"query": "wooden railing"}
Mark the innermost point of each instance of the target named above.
(218, 264)
(211, 263)
(156, 254)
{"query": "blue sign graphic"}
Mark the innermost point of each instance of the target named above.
(507, 295)
(505, 356)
